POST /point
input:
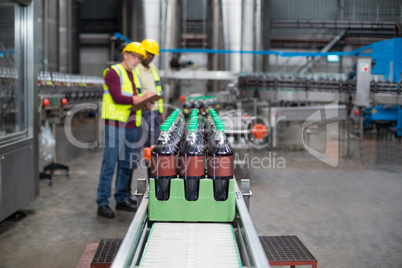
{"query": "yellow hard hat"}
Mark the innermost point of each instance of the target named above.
(151, 46)
(136, 47)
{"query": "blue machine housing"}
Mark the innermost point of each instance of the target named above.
(382, 114)
(388, 58)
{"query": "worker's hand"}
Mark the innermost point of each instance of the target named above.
(148, 94)
(163, 117)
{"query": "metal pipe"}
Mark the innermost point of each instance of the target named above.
(342, 7)
(124, 16)
(332, 24)
(184, 20)
(257, 35)
(45, 35)
(204, 23)
(69, 36)
(247, 35)
(215, 32)
(232, 33)
(58, 36)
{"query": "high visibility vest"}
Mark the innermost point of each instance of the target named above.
(121, 112)
(158, 86)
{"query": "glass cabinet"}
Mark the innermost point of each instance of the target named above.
(13, 98)
(18, 139)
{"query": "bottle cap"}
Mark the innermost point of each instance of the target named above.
(220, 127)
(217, 119)
(192, 127)
(164, 127)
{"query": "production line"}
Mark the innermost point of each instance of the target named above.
(243, 246)
(197, 213)
(316, 88)
(67, 90)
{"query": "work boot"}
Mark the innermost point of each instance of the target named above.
(105, 211)
(132, 200)
(126, 205)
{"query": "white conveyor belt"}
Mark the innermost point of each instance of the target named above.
(191, 245)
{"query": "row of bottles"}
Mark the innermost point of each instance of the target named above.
(201, 103)
(55, 79)
(318, 82)
(191, 151)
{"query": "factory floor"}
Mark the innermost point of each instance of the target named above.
(347, 216)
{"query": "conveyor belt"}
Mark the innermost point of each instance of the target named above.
(191, 245)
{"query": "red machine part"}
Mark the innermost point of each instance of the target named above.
(183, 98)
(147, 153)
(259, 130)
(46, 102)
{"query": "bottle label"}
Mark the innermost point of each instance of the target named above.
(163, 165)
(220, 166)
(191, 166)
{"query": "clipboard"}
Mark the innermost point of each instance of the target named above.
(143, 104)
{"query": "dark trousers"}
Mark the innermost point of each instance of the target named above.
(147, 135)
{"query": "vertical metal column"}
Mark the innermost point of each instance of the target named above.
(45, 35)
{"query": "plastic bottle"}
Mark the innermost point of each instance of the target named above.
(209, 121)
(220, 163)
(192, 162)
(163, 163)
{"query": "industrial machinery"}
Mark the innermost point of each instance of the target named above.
(18, 138)
(388, 116)
(67, 90)
(58, 93)
(190, 242)
(316, 88)
(373, 88)
(193, 213)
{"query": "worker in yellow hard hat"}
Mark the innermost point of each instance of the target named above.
(122, 89)
(148, 73)
(151, 82)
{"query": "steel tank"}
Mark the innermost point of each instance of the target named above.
(154, 19)
(237, 25)
(57, 36)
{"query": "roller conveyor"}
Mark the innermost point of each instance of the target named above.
(191, 245)
(179, 244)
(316, 89)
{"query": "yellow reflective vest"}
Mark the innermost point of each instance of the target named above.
(158, 86)
(120, 112)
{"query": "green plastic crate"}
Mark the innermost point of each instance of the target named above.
(205, 209)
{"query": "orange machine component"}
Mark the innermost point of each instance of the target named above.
(259, 131)
(64, 101)
(147, 153)
(183, 98)
(46, 102)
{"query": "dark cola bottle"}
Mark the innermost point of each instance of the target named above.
(163, 163)
(209, 122)
(192, 162)
(220, 163)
